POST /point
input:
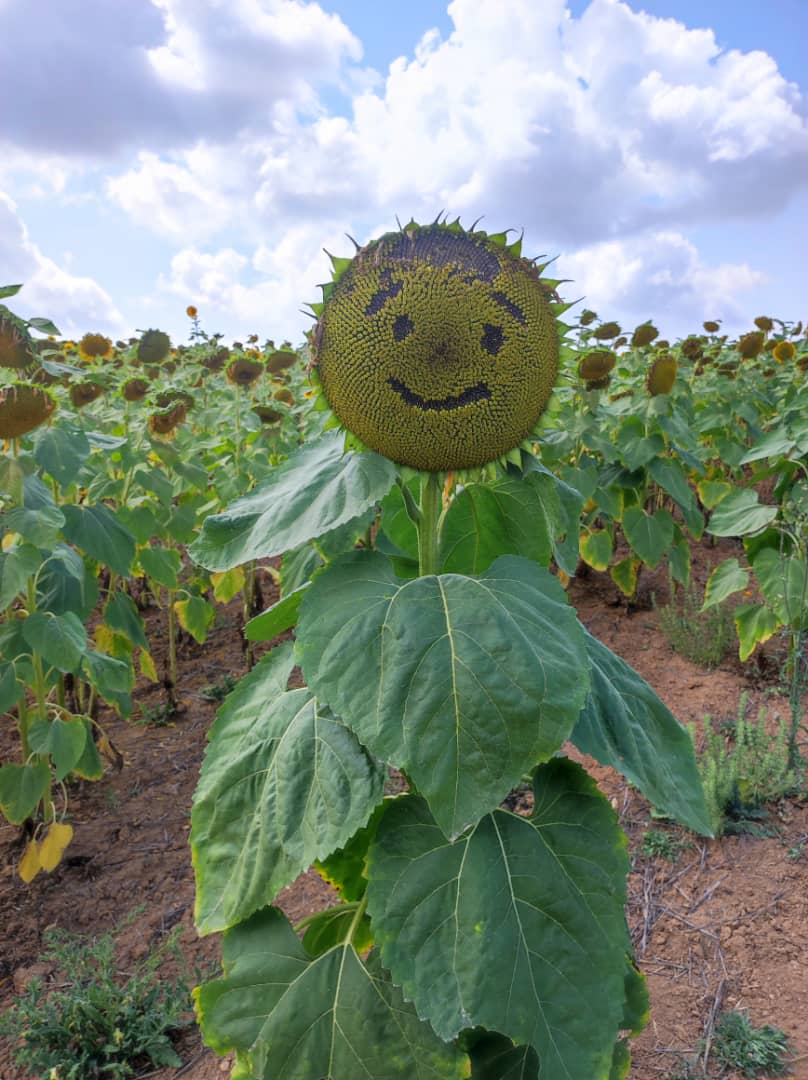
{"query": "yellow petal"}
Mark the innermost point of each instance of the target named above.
(30, 864)
(53, 846)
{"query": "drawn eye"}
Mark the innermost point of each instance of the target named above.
(492, 339)
(402, 326)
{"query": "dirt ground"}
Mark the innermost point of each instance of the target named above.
(725, 926)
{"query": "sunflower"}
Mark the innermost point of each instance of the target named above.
(16, 344)
(284, 395)
(784, 350)
(153, 347)
(764, 323)
(191, 311)
(437, 346)
(216, 360)
(244, 372)
(606, 331)
(94, 346)
(711, 326)
(692, 348)
(596, 364)
(281, 359)
(82, 394)
(266, 414)
(164, 423)
(661, 376)
(135, 389)
(751, 345)
(24, 407)
(644, 335)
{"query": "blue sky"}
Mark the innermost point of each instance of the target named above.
(191, 152)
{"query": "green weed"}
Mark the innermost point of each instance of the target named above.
(753, 1051)
(700, 636)
(98, 1022)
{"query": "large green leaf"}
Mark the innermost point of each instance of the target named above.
(61, 451)
(60, 639)
(650, 535)
(739, 513)
(121, 614)
(10, 689)
(783, 584)
(517, 927)
(161, 564)
(65, 583)
(16, 566)
(21, 788)
(560, 506)
(728, 577)
(669, 473)
(39, 525)
(488, 520)
(494, 1057)
(277, 619)
(314, 491)
(331, 1017)
(465, 683)
(283, 784)
(97, 531)
(63, 740)
(624, 724)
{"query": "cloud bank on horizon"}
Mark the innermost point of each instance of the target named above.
(246, 137)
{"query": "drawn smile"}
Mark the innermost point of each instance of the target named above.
(479, 392)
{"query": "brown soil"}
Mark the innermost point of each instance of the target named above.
(726, 926)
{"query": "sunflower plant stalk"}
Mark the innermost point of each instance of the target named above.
(465, 940)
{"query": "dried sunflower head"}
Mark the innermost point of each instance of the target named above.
(16, 344)
(244, 372)
(596, 364)
(763, 322)
(606, 331)
(23, 407)
(644, 335)
(437, 346)
(267, 414)
(85, 393)
(164, 423)
(692, 348)
(135, 389)
(751, 345)
(661, 375)
(280, 359)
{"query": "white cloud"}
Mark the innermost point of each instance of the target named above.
(89, 78)
(662, 276)
(74, 303)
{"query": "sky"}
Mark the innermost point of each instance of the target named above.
(161, 153)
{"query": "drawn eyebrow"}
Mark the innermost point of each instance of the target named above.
(512, 308)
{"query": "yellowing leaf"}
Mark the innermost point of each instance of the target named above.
(53, 846)
(624, 575)
(195, 615)
(147, 667)
(30, 864)
(228, 584)
(596, 548)
(112, 643)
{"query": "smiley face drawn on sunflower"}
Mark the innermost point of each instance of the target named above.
(437, 347)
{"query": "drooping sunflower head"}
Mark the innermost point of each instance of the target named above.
(167, 398)
(95, 345)
(596, 364)
(16, 344)
(24, 407)
(763, 322)
(751, 345)
(692, 348)
(606, 331)
(437, 346)
(711, 326)
(216, 359)
(661, 375)
(163, 424)
(644, 335)
(281, 359)
(243, 371)
(135, 389)
(85, 393)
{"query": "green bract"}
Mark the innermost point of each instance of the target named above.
(437, 347)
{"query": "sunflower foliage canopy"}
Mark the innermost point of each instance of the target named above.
(433, 638)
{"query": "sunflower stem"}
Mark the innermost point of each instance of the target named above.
(428, 525)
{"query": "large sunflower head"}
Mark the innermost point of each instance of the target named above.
(24, 407)
(243, 371)
(280, 359)
(751, 345)
(661, 375)
(437, 346)
(596, 364)
(16, 344)
(95, 345)
(85, 393)
(784, 350)
(164, 423)
(644, 335)
(153, 347)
